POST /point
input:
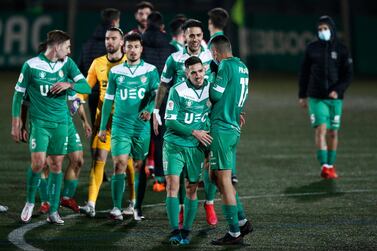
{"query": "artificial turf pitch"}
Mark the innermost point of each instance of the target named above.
(291, 207)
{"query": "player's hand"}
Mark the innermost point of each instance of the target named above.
(156, 120)
(144, 115)
(59, 87)
(333, 95)
(75, 106)
(202, 136)
(242, 119)
(102, 136)
(24, 135)
(16, 129)
(303, 102)
(88, 129)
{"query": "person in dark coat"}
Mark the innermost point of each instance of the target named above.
(156, 49)
(143, 9)
(325, 75)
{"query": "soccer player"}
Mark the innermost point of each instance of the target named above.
(174, 73)
(45, 80)
(178, 37)
(143, 9)
(75, 157)
(326, 73)
(228, 94)
(187, 126)
(93, 48)
(132, 88)
(98, 74)
(217, 20)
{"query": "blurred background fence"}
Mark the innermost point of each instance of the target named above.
(270, 35)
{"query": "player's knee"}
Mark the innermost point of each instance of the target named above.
(172, 188)
(191, 191)
(321, 131)
(332, 134)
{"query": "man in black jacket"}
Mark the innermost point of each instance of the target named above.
(156, 49)
(325, 75)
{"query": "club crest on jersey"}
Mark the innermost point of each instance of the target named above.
(334, 55)
(189, 103)
(42, 74)
(121, 79)
(20, 78)
(143, 79)
(170, 105)
(61, 73)
(209, 104)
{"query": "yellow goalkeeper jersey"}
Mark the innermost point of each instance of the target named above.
(98, 73)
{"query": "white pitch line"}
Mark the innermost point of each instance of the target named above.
(17, 236)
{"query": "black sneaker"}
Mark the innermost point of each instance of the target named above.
(175, 237)
(185, 237)
(234, 179)
(228, 240)
(246, 229)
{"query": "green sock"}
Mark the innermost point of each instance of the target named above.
(43, 194)
(241, 211)
(69, 189)
(231, 215)
(32, 184)
(322, 156)
(54, 185)
(117, 189)
(209, 188)
(191, 207)
(331, 157)
(172, 208)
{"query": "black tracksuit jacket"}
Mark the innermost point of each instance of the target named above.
(327, 67)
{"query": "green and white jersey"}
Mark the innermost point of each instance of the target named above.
(189, 106)
(133, 89)
(228, 94)
(37, 76)
(176, 45)
(219, 33)
(174, 68)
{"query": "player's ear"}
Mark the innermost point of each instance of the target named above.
(187, 72)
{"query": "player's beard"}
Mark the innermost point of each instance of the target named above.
(132, 59)
(142, 24)
(112, 49)
(198, 82)
(194, 47)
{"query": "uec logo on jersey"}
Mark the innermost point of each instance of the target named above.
(132, 93)
(44, 89)
(191, 117)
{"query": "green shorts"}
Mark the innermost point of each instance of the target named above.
(74, 141)
(178, 159)
(137, 147)
(223, 151)
(325, 111)
(48, 137)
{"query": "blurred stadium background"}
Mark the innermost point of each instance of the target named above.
(271, 34)
(293, 209)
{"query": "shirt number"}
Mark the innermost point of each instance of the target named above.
(244, 82)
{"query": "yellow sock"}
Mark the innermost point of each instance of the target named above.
(131, 179)
(95, 179)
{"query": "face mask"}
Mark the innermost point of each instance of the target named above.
(324, 35)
